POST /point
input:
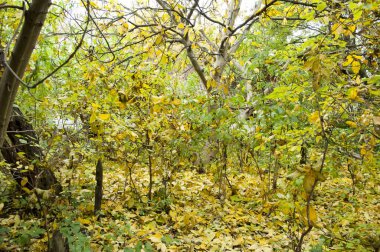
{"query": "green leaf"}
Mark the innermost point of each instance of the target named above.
(321, 6)
(358, 15)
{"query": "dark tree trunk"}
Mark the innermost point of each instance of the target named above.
(34, 19)
(99, 186)
(22, 151)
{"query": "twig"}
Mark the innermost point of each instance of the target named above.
(5, 6)
(59, 67)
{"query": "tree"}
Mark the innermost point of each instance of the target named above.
(10, 80)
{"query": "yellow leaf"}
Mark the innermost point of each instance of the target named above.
(176, 102)
(225, 89)
(132, 136)
(363, 151)
(211, 83)
(238, 241)
(84, 221)
(161, 219)
(268, 61)
(94, 5)
(92, 118)
(255, 44)
(158, 40)
(293, 175)
(318, 139)
(376, 120)
(164, 59)
(156, 108)
(312, 216)
(357, 15)
(177, 17)
(314, 117)
(348, 61)
(122, 105)
(130, 203)
(358, 80)
(308, 181)
(156, 238)
(158, 99)
(351, 124)
(95, 106)
(162, 247)
(337, 29)
(181, 26)
(144, 199)
(321, 6)
(120, 136)
(17, 220)
(355, 66)
(352, 93)
(120, 29)
(1, 206)
(24, 181)
(25, 189)
(173, 215)
(358, 57)
(165, 17)
(104, 117)
(345, 222)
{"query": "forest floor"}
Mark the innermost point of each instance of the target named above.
(195, 213)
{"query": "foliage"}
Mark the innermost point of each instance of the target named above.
(277, 150)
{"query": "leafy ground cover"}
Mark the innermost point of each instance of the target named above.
(194, 218)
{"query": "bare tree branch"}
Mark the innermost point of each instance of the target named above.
(5, 6)
(300, 3)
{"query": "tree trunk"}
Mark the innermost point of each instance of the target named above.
(99, 186)
(26, 41)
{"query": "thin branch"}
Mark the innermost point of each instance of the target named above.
(252, 17)
(55, 70)
(287, 18)
(212, 44)
(9, 45)
(71, 55)
(300, 3)
(20, 131)
(195, 63)
(188, 17)
(250, 20)
(5, 6)
(104, 37)
(128, 59)
(210, 19)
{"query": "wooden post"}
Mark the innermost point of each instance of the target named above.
(99, 186)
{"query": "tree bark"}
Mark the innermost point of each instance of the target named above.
(26, 41)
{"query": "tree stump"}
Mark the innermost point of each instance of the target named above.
(58, 243)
